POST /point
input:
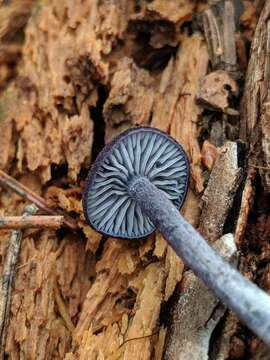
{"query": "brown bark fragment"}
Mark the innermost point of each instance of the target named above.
(209, 154)
(176, 12)
(93, 238)
(255, 118)
(130, 100)
(6, 146)
(175, 268)
(223, 348)
(13, 18)
(219, 26)
(219, 194)
(77, 140)
(215, 88)
(162, 21)
(246, 204)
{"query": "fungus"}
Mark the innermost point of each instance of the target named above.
(138, 183)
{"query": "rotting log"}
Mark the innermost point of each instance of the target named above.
(88, 71)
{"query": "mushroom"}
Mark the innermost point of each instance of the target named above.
(138, 184)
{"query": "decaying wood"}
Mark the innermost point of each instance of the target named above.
(223, 348)
(223, 183)
(246, 205)
(8, 277)
(255, 119)
(13, 18)
(131, 98)
(90, 69)
(189, 337)
(219, 24)
(214, 90)
(36, 222)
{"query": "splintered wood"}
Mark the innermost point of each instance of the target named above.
(255, 125)
(73, 74)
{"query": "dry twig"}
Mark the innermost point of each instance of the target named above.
(26, 222)
(22, 190)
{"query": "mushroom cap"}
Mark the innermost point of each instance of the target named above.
(142, 151)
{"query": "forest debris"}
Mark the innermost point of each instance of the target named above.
(62, 309)
(59, 127)
(189, 337)
(8, 278)
(215, 89)
(130, 99)
(191, 209)
(20, 189)
(13, 18)
(209, 154)
(219, 25)
(222, 349)
(146, 317)
(68, 199)
(175, 268)
(72, 51)
(140, 325)
(160, 246)
(77, 140)
(43, 262)
(249, 17)
(218, 197)
(162, 24)
(35, 149)
(93, 237)
(246, 205)
(159, 347)
(175, 12)
(75, 277)
(259, 351)
(105, 345)
(265, 129)
(6, 145)
(237, 348)
(255, 114)
(26, 222)
(10, 55)
(101, 306)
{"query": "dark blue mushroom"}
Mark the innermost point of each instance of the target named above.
(137, 184)
(141, 152)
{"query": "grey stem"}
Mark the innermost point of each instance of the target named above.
(250, 303)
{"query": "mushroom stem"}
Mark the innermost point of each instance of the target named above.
(250, 303)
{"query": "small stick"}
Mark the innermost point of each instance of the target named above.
(36, 222)
(22, 190)
(7, 279)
